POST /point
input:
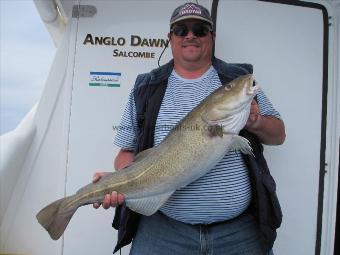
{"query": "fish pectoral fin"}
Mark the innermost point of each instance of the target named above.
(216, 130)
(147, 205)
(242, 144)
(143, 154)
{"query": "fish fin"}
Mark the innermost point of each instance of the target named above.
(147, 205)
(143, 154)
(216, 130)
(56, 216)
(242, 144)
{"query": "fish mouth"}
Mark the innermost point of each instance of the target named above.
(253, 89)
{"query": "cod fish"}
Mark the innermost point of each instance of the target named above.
(194, 146)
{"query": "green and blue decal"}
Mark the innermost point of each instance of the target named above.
(105, 79)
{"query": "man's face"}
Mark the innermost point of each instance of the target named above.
(188, 46)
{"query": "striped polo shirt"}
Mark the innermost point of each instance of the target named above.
(224, 192)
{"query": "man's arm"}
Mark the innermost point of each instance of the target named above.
(269, 129)
(123, 159)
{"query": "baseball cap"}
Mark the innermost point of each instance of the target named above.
(190, 11)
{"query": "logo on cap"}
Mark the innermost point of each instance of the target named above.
(190, 9)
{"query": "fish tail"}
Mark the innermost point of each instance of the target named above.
(56, 216)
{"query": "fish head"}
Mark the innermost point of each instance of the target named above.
(230, 99)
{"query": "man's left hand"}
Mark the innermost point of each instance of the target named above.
(269, 129)
(255, 118)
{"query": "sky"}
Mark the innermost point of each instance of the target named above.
(26, 54)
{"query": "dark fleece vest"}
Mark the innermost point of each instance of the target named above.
(148, 93)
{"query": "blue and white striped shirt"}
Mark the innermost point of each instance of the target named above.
(224, 192)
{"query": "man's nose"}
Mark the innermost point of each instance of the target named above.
(190, 35)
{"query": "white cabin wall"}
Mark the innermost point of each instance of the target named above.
(333, 132)
(42, 178)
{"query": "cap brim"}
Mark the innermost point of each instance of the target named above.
(191, 17)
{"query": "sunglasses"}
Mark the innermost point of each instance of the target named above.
(198, 29)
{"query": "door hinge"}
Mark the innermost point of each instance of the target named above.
(83, 11)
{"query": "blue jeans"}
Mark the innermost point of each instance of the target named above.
(161, 235)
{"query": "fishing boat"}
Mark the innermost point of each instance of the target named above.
(102, 46)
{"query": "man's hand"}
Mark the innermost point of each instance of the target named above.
(255, 118)
(110, 200)
(123, 159)
(269, 129)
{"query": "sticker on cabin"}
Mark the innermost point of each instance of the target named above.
(104, 79)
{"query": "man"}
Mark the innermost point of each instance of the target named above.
(227, 211)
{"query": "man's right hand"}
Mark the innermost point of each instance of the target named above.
(110, 200)
(123, 159)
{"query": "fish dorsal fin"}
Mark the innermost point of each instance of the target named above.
(143, 154)
(147, 205)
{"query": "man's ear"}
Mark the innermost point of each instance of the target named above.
(213, 35)
(169, 36)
